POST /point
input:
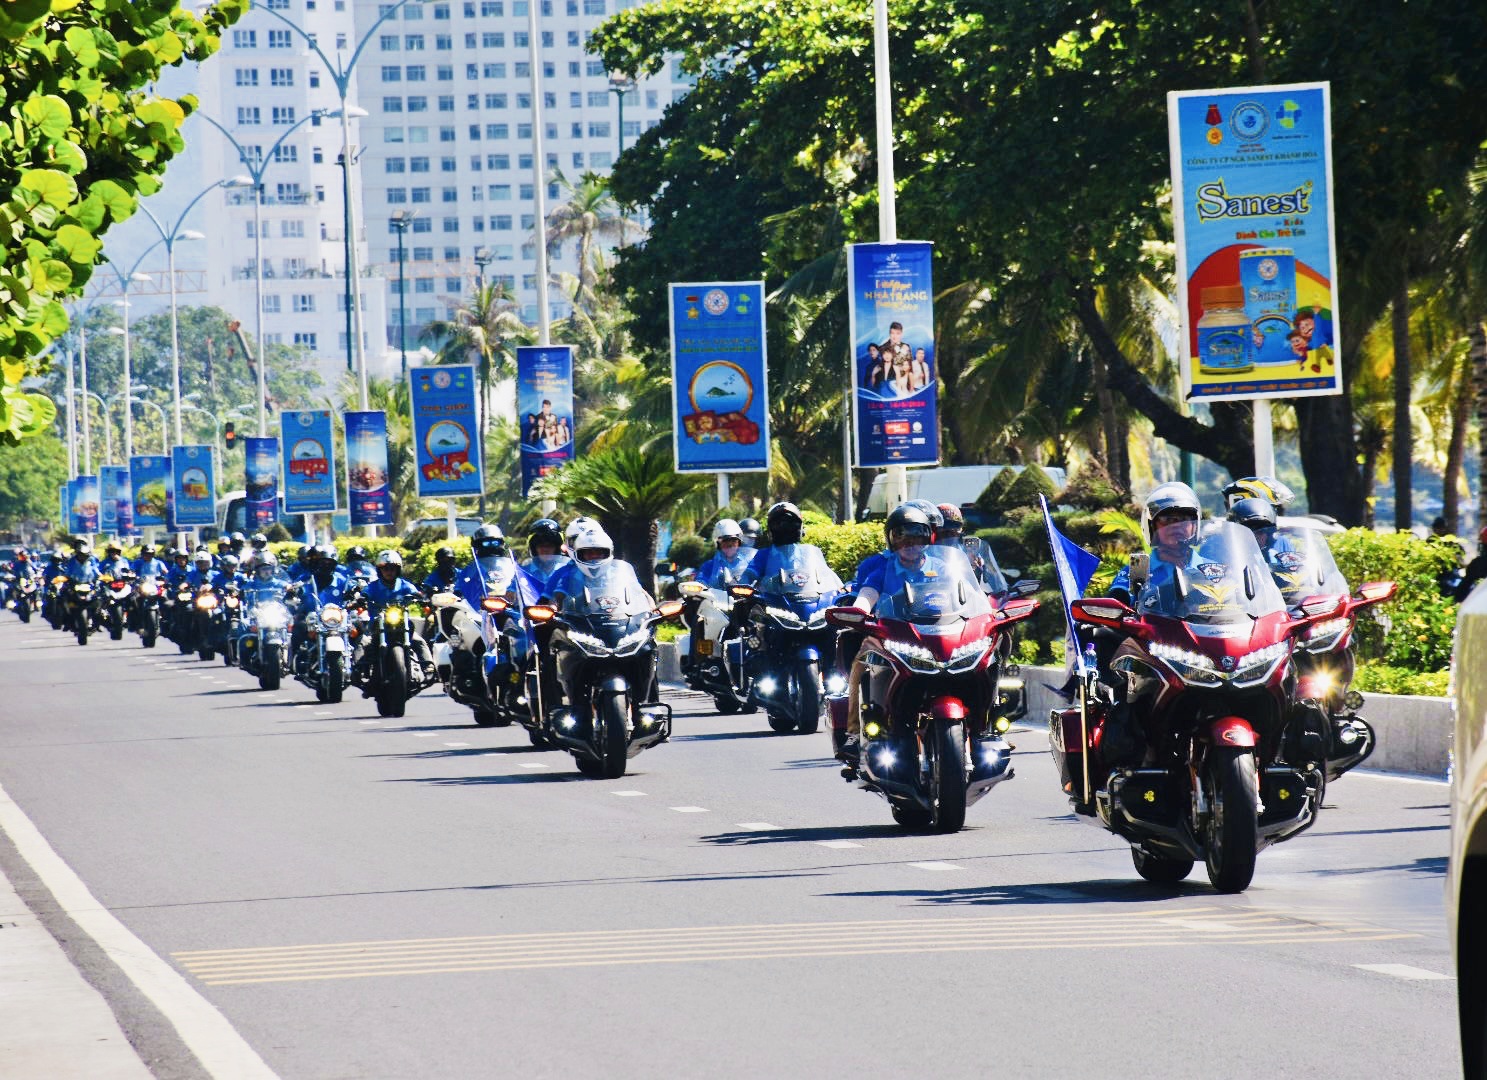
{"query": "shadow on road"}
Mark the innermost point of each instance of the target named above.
(499, 779)
(1434, 866)
(1382, 832)
(716, 736)
(469, 751)
(809, 763)
(425, 727)
(801, 836)
(1113, 891)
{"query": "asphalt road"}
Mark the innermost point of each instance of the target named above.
(420, 897)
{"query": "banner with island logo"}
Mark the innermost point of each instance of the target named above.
(193, 486)
(719, 377)
(1256, 250)
(307, 439)
(261, 481)
(544, 409)
(368, 495)
(446, 430)
(895, 390)
(149, 483)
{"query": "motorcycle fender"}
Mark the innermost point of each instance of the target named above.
(808, 654)
(1232, 731)
(612, 684)
(335, 643)
(946, 707)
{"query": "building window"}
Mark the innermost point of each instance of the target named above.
(280, 39)
(271, 304)
(472, 71)
(446, 103)
(576, 130)
(441, 12)
(598, 129)
(478, 225)
(392, 73)
(572, 39)
(495, 101)
(449, 195)
(423, 254)
(443, 42)
(598, 99)
(578, 155)
(416, 73)
(424, 284)
(521, 40)
(495, 71)
(593, 7)
(394, 165)
(245, 77)
(245, 39)
(452, 224)
(547, 39)
(501, 223)
(390, 42)
(477, 193)
(397, 196)
(601, 159)
(280, 77)
(491, 7)
(304, 303)
(523, 70)
(308, 340)
(392, 135)
(446, 134)
(524, 161)
(498, 161)
(423, 224)
(315, 78)
(286, 155)
(500, 191)
(279, 5)
(423, 195)
(283, 114)
(503, 131)
(528, 222)
(493, 40)
(448, 164)
(524, 131)
(524, 101)
(574, 69)
(418, 164)
(594, 67)
(418, 104)
(413, 43)
(474, 162)
(444, 73)
(526, 192)
(248, 115)
(392, 104)
(453, 284)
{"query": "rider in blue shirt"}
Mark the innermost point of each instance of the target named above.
(148, 566)
(488, 546)
(390, 587)
(82, 566)
(730, 554)
(444, 574)
(180, 566)
(201, 573)
(113, 562)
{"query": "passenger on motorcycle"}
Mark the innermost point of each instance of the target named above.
(952, 533)
(224, 547)
(444, 574)
(1258, 516)
(749, 527)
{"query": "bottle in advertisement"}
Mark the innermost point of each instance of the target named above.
(1223, 332)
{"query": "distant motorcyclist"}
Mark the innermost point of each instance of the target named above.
(236, 543)
(230, 572)
(146, 565)
(113, 562)
(224, 547)
(257, 545)
(265, 581)
(593, 555)
(749, 528)
(390, 587)
(487, 548)
(576, 526)
(82, 566)
(358, 564)
(444, 574)
(179, 568)
(545, 557)
(1273, 491)
(202, 575)
(1258, 516)
(729, 558)
(785, 528)
(304, 564)
(326, 584)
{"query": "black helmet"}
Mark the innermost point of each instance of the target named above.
(488, 540)
(907, 522)
(1254, 513)
(327, 553)
(443, 556)
(357, 553)
(750, 529)
(784, 523)
(305, 552)
(931, 511)
(544, 531)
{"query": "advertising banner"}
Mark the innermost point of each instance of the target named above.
(1256, 252)
(261, 480)
(446, 432)
(892, 328)
(720, 411)
(116, 508)
(368, 492)
(82, 505)
(193, 485)
(149, 483)
(308, 439)
(544, 409)
(64, 505)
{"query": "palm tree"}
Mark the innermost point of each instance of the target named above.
(628, 488)
(485, 331)
(588, 213)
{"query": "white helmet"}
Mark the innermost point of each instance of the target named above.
(1165, 498)
(389, 557)
(578, 525)
(592, 539)
(727, 529)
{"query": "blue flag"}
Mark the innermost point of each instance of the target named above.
(1075, 567)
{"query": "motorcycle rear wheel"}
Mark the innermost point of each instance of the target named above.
(611, 716)
(1232, 834)
(1160, 869)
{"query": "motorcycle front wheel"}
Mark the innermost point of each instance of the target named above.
(947, 777)
(23, 609)
(335, 677)
(807, 700)
(268, 668)
(82, 628)
(116, 626)
(1232, 835)
(611, 715)
(392, 693)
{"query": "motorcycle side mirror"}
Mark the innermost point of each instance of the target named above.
(1025, 587)
(1315, 607)
(1017, 608)
(1101, 611)
(541, 613)
(669, 609)
(1373, 592)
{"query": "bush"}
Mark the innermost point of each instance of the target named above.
(992, 497)
(425, 534)
(1412, 631)
(1030, 483)
(689, 551)
(422, 560)
(1090, 488)
(844, 546)
(1385, 679)
(277, 532)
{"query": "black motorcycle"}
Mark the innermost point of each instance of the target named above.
(148, 595)
(117, 591)
(603, 643)
(79, 602)
(389, 670)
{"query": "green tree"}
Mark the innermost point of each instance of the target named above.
(84, 137)
(29, 477)
(588, 213)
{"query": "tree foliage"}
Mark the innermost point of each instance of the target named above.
(83, 138)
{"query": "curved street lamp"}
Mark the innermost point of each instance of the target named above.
(125, 280)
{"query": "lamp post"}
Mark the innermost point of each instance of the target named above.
(108, 432)
(483, 258)
(539, 177)
(898, 475)
(216, 428)
(125, 280)
(619, 86)
(401, 221)
(340, 71)
(164, 427)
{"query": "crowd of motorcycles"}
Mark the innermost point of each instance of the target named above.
(1210, 697)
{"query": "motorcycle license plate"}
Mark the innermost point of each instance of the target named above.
(704, 648)
(335, 644)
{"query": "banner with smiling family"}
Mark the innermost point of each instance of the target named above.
(720, 410)
(544, 409)
(892, 328)
(1256, 253)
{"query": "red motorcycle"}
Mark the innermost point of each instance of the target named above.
(1303, 567)
(1215, 765)
(931, 737)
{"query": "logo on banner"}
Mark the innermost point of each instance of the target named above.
(442, 380)
(308, 459)
(721, 394)
(1249, 120)
(715, 301)
(448, 445)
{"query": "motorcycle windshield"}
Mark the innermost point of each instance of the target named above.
(497, 572)
(984, 563)
(937, 593)
(1221, 577)
(796, 571)
(611, 594)
(1302, 564)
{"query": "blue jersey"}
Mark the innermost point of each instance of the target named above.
(735, 566)
(867, 568)
(886, 577)
(151, 568)
(115, 566)
(196, 578)
(379, 594)
(316, 595)
(81, 571)
(440, 579)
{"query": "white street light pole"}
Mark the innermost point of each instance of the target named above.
(898, 475)
(71, 421)
(164, 426)
(108, 431)
(82, 333)
(353, 287)
(539, 177)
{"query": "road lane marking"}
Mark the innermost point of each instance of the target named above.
(691, 809)
(204, 1030)
(324, 712)
(534, 765)
(456, 744)
(425, 734)
(1209, 926)
(211, 677)
(936, 866)
(627, 794)
(757, 826)
(837, 843)
(1402, 971)
(595, 948)
(369, 721)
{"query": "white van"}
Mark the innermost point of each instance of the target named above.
(958, 485)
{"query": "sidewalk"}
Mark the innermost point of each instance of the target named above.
(56, 1026)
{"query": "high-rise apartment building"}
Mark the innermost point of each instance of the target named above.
(270, 95)
(447, 86)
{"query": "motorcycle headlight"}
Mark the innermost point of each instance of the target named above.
(332, 615)
(916, 656)
(588, 643)
(1193, 667)
(1257, 666)
(1324, 635)
(818, 620)
(632, 642)
(148, 588)
(206, 603)
(271, 615)
(967, 656)
(393, 616)
(232, 601)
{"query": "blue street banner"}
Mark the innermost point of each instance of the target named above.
(82, 505)
(116, 508)
(308, 439)
(64, 504)
(149, 483)
(892, 327)
(367, 491)
(1256, 245)
(446, 430)
(544, 409)
(193, 486)
(261, 480)
(720, 411)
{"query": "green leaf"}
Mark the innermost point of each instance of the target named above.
(43, 412)
(55, 188)
(84, 47)
(49, 114)
(118, 202)
(78, 245)
(69, 157)
(89, 213)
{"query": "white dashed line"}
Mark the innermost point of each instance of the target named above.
(536, 765)
(369, 721)
(627, 794)
(425, 734)
(936, 866)
(207, 677)
(456, 744)
(837, 843)
(1402, 971)
(757, 826)
(324, 712)
(690, 809)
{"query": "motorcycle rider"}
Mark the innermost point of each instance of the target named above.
(230, 572)
(202, 573)
(749, 527)
(257, 545)
(1258, 515)
(576, 526)
(359, 565)
(983, 561)
(148, 566)
(81, 567)
(908, 530)
(785, 526)
(487, 547)
(1277, 494)
(265, 582)
(390, 587)
(326, 584)
(444, 574)
(593, 553)
(236, 543)
(545, 555)
(304, 564)
(180, 566)
(113, 562)
(729, 556)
